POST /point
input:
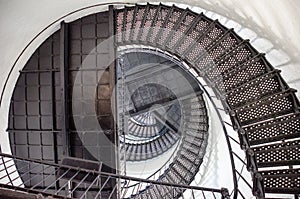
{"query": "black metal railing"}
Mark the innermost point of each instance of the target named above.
(63, 180)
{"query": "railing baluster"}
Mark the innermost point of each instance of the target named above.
(203, 194)
(90, 186)
(42, 181)
(33, 176)
(22, 174)
(240, 175)
(8, 173)
(56, 180)
(67, 182)
(106, 181)
(78, 184)
(241, 194)
(4, 162)
(193, 195)
(214, 195)
(111, 194)
(7, 167)
(169, 189)
(182, 190)
(124, 193)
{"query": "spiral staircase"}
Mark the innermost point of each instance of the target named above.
(149, 133)
(252, 91)
(189, 157)
(263, 109)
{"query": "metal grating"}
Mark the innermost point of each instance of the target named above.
(197, 29)
(274, 130)
(283, 154)
(119, 26)
(138, 22)
(281, 181)
(243, 73)
(206, 41)
(157, 23)
(146, 150)
(129, 18)
(192, 148)
(260, 87)
(181, 29)
(174, 15)
(148, 22)
(230, 60)
(276, 105)
(227, 42)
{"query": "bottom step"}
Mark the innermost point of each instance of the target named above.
(280, 181)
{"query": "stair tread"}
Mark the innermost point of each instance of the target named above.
(286, 127)
(215, 68)
(254, 90)
(175, 29)
(247, 71)
(280, 154)
(278, 104)
(207, 40)
(169, 24)
(281, 181)
(147, 22)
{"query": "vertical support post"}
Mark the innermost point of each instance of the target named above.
(64, 63)
(53, 117)
(112, 75)
(112, 82)
(53, 110)
(225, 193)
(112, 66)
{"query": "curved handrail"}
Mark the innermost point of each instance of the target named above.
(106, 174)
(146, 139)
(140, 123)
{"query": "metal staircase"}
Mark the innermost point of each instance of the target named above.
(189, 157)
(144, 140)
(180, 122)
(145, 149)
(263, 109)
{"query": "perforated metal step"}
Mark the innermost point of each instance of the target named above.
(283, 154)
(269, 107)
(281, 181)
(144, 150)
(282, 128)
